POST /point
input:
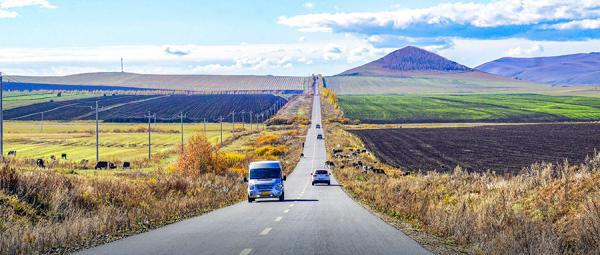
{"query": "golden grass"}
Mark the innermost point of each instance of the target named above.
(547, 209)
(51, 212)
(63, 208)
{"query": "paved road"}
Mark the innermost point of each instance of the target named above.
(313, 220)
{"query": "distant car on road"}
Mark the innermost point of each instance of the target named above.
(320, 137)
(318, 126)
(265, 180)
(321, 176)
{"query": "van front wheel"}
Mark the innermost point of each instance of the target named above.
(282, 197)
(250, 200)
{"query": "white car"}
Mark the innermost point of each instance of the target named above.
(321, 176)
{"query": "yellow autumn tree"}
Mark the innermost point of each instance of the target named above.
(200, 156)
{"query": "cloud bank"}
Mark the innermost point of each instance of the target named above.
(6, 5)
(529, 19)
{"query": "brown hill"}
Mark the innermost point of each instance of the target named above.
(408, 62)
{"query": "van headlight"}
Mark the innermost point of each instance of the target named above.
(278, 186)
(251, 187)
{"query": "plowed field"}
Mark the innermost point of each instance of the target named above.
(498, 148)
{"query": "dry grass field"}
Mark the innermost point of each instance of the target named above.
(64, 207)
(548, 208)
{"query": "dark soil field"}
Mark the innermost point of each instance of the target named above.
(132, 108)
(501, 149)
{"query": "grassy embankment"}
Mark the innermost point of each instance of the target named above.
(547, 209)
(63, 208)
(469, 108)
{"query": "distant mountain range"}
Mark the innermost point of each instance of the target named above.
(575, 69)
(407, 62)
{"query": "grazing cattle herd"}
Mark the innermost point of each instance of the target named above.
(351, 159)
(84, 163)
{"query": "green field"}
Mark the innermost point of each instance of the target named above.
(17, 99)
(36, 139)
(469, 108)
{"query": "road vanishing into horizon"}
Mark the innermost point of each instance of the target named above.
(312, 220)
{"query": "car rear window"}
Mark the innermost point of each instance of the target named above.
(321, 172)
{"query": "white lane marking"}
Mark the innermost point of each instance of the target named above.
(278, 219)
(292, 205)
(265, 231)
(286, 210)
(246, 251)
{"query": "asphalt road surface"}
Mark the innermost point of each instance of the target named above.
(313, 220)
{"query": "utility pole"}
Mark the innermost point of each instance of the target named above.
(97, 131)
(205, 137)
(242, 112)
(221, 121)
(149, 135)
(233, 122)
(262, 120)
(250, 113)
(182, 116)
(1, 119)
(122, 65)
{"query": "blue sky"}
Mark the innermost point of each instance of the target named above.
(58, 37)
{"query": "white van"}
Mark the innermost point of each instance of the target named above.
(265, 180)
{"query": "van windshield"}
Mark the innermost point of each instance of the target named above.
(265, 173)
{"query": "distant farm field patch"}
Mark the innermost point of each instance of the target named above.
(117, 141)
(133, 108)
(497, 148)
(469, 108)
(18, 99)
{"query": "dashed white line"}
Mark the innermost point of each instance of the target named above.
(278, 219)
(246, 251)
(286, 210)
(292, 205)
(265, 231)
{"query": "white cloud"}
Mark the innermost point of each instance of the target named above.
(309, 5)
(297, 58)
(7, 4)
(11, 4)
(519, 51)
(7, 14)
(578, 24)
(451, 18)
(472, 52)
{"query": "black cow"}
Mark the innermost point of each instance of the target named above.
(12, 153)
(329, 163)
(40, 163)
(101, 165)
(63, 156)
(379, 171)
(126, 164)
(112, 165)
